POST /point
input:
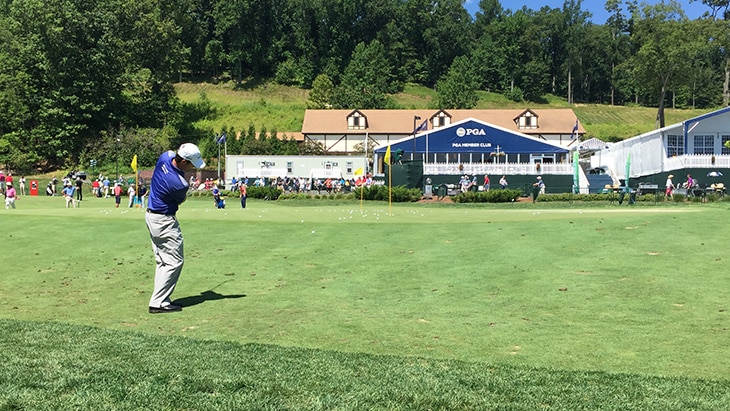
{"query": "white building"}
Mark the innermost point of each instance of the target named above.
(293, 166)
(695, 146)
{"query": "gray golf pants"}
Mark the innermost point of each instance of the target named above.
(167, 245)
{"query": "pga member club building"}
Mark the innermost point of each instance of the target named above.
(443, 145)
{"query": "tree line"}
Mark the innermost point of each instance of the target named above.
(82, 79)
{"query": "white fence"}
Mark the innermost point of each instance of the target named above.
(452, 169)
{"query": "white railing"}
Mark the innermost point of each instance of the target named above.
(703, 161)
(452, 169)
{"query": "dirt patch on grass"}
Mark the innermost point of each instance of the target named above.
(434, 200)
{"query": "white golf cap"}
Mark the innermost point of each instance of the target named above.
(191, 152)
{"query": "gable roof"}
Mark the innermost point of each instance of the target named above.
(687, 123)
(474, 136)
(593, 144)
(550, 121)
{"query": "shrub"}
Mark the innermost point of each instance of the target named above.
(570, 197)
(492, 196)
(270, 193)
(398, 194)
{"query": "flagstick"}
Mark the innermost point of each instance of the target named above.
(365, 170)
(390, 185)
(136, 188)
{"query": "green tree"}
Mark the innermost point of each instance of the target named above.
(366, 79)
(214, 56)
(91, 67)
(457, 89)
(619, 49)
(321, 95)
(665, 45)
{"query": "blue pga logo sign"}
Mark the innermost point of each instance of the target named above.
(461, 132)
(465, 132)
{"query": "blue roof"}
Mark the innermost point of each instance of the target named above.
(474, 136)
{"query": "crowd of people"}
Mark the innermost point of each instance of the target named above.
(287, 184)
(471, 184)
(74, 184)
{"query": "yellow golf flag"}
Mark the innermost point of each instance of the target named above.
(134, 163)
(358, 172)
(386, 159)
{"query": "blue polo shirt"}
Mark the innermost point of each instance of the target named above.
(168, 188)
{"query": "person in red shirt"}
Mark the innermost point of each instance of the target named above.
(117, 193)
(95, 188)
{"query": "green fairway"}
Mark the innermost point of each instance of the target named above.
(573, 287)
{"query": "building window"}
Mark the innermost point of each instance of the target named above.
(704, 144)
(441, 119)
(356, 121)
(725, 139)
(674, 145)
(349, 167)
(289, 167)
(527, 121)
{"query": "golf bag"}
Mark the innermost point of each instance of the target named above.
(219, 202)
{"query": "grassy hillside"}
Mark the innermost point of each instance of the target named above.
(282, 108)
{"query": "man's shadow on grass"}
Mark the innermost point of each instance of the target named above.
(209, 295)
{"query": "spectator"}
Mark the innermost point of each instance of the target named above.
(131, 192)
(486, 182)
(141, 195)
(22, 186)
(117, 194)
(10, 195)
(503, 182)
(538, 188)
(464, 183)
(234, 184)
(105, 183)
(79, 186)
(669, 186)
(54, 184)
(95, 188)
(243, 189)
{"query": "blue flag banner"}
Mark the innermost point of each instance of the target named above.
(423, 126)
(221, 139)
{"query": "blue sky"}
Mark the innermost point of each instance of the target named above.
(595, 7)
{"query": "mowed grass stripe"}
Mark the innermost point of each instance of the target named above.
(53, 366)
(644, 287)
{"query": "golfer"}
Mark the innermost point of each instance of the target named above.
(168, 190)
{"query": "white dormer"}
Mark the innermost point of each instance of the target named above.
(440, 119)
(527, 120)
(357, 121)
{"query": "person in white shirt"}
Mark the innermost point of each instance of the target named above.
(131, 193)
